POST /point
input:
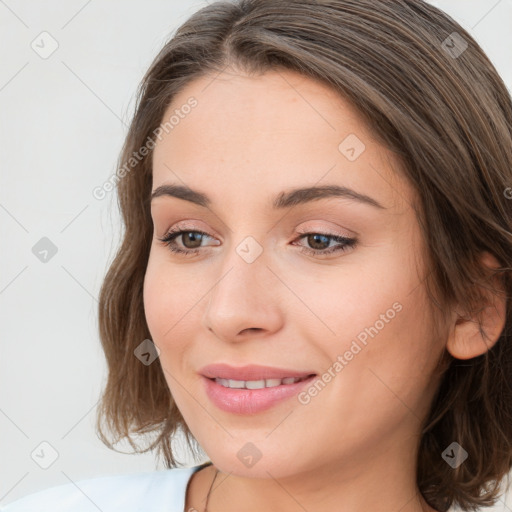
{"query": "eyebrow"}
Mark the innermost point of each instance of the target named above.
(285, 199)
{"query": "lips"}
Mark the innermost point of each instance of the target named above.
(252, 398)
(250, 372)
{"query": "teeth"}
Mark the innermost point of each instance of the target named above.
(270, 383)
(257, 384)
(254, 384)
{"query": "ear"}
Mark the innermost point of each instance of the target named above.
(466, 339)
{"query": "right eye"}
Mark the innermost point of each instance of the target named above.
(189, 236)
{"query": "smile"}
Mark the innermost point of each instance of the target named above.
(248, 397)
(257, 384)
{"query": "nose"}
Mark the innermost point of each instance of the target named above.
(244, 302)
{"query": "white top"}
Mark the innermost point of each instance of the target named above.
(157, 491)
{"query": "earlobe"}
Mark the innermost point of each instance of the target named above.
(473, 335)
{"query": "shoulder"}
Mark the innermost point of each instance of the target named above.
(158, 490)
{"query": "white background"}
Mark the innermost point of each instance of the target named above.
(63, 120)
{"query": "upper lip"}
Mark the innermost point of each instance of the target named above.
(250, 372)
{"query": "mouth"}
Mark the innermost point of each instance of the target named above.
(259, 384)
(252, 373)
(252, 389)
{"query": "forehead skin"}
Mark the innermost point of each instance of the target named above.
(272, 131)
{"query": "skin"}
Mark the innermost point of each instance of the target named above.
(353, 447)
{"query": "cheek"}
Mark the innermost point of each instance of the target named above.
(164, 301)
(379, 385)
(348, 302)
(387, 365)
(172, 304)
(155, 284)
(381, 327)
(166, 310)
(168, 293)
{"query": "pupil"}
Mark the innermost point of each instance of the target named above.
(315, 237)
(191, 235)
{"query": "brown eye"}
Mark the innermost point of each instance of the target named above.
(191, 239)
(319, 243)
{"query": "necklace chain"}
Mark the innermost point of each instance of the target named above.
(210, 489)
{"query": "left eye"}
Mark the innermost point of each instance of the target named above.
(344, 243)
(194, 238)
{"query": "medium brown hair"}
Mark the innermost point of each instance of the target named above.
(445, 113)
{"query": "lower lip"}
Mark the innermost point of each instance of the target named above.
(251, 401)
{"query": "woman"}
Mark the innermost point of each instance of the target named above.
(315, 269)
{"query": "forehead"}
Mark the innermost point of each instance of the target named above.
(260, 134)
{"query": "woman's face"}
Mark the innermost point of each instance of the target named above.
(270, 285)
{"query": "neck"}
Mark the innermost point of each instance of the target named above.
(385, 481)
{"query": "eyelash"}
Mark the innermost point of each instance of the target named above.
(169, 240)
